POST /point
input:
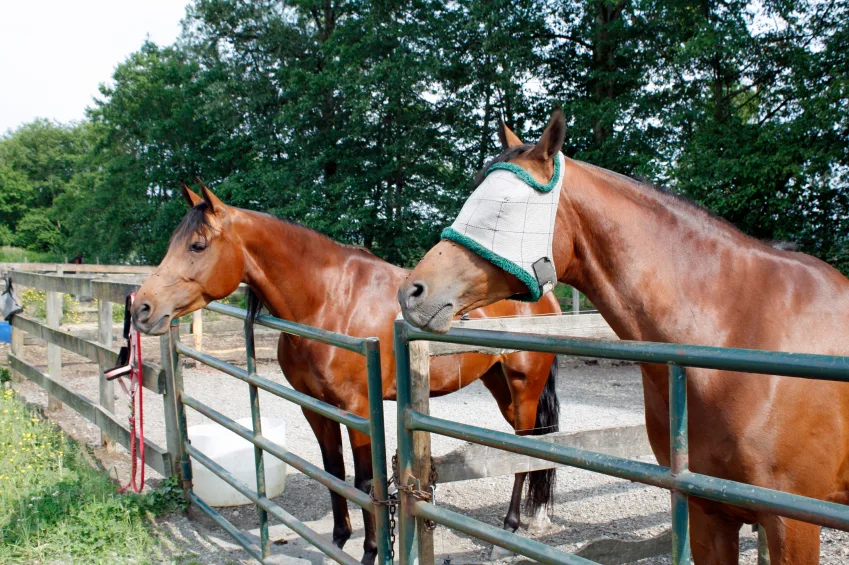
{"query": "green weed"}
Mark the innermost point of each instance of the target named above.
(10, 254)
(54, 507)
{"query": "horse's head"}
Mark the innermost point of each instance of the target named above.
(205, 262)
(451, 279)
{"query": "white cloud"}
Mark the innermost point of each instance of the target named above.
(55, 53)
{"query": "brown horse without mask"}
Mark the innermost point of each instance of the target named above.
(660, 268)
(305, 277)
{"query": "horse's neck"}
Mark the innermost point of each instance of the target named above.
(288, 266)
(639, 256)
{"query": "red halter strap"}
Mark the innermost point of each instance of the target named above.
(130, 364)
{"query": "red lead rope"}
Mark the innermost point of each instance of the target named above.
(136, 388)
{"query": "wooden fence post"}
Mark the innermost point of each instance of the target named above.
(172, 404)
(106, 388)
(197, 329)
(576, 301)
(54, 352)
(422, 465)
(17, 351)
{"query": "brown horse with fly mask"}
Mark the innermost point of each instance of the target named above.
(660, 268)
(304, 277)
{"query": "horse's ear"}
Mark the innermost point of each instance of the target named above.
(552, 138)
(214, 203)
(190, 197)
(506, 136)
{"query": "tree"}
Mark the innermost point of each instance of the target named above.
(366, 120)
(37, 232)
(757, 135)
(37, 163)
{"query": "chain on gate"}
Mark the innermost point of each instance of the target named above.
(392, 501)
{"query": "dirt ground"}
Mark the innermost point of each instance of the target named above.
(588, 506)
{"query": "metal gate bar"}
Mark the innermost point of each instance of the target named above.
(829, 514)
(237, 534)
(806, 365)
(271, 508)
(373, 427)
(312, 471)
(678, 479)
(305, 401)
(514, 542)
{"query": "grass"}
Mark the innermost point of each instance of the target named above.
(564, 293)
(56, 508)
(34, 302)
(10, 254)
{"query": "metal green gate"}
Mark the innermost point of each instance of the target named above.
(373, 427)
(678, 479)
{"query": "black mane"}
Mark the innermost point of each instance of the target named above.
(196, 222)
(193, 223)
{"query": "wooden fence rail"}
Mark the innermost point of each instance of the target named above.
(156, 457)
(101, 351)
(70, 268)
(89, 282)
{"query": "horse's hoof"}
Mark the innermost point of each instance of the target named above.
(340, 538)
(499, 553)
(368, 557)
(540, 524)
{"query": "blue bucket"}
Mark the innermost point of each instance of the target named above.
(5, 332)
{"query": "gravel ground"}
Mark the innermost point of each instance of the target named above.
(593, 394)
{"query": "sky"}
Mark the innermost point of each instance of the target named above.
(55, 53)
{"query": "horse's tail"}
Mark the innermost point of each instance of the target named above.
(541, 483)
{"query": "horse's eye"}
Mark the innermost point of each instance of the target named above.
(198, 246)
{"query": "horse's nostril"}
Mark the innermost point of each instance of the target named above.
(143, 311)
(417, 289)
(415, 293)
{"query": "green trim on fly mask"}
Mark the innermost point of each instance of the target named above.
(499, 261)
(527, 178)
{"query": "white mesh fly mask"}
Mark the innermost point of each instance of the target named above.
(509, 221)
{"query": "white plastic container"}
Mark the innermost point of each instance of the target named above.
(237, 456)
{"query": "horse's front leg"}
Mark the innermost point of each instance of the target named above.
(363, 475)
(329, 436)
(714, 540)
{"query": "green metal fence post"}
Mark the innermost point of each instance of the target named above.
(371, 350)
(259, 462)
(408, 549)
(175, 390)
(680, 459)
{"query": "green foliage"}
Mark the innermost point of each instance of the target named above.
(34, 302)
(9, 254)
(168, 497)
(71, 310)
(39, 163)
(54, 506)
(37, 233)
(366, 120)
(118, 313)
(563, 293)
(5, 375)
(7, 238)
(16, 195)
